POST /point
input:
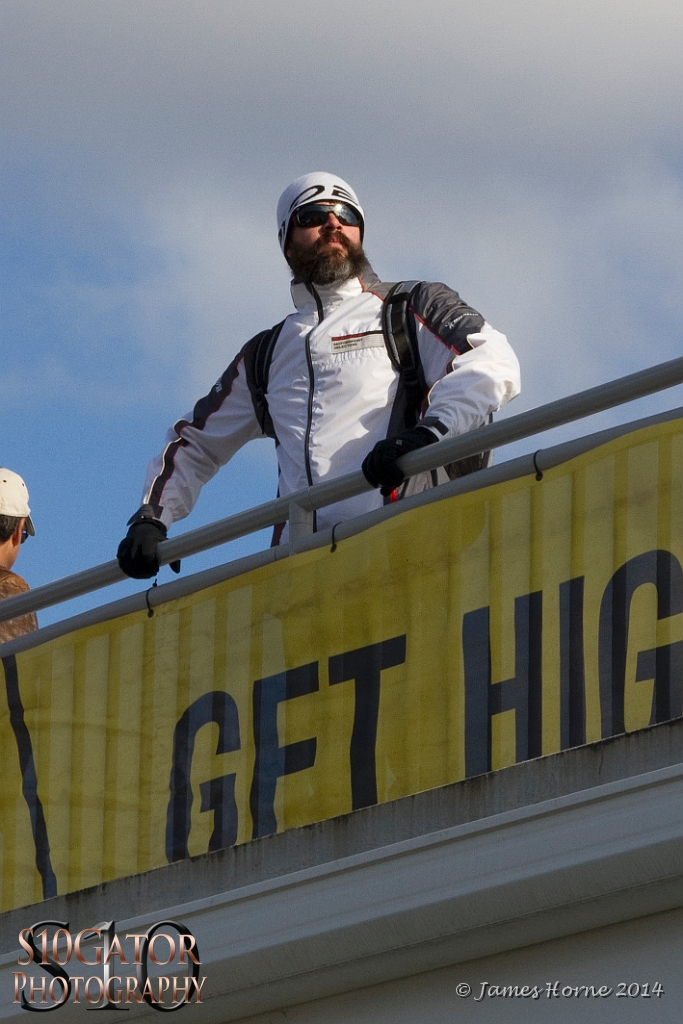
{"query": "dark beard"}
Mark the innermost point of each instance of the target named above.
(311, 266)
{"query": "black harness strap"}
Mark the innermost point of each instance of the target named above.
(257, 360)
(400, 338)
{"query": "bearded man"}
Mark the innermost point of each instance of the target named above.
(323, 383)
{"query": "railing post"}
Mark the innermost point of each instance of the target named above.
(300, 522)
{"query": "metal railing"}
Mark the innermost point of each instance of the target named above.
(298, 508)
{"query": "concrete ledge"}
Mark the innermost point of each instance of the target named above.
(522, 876)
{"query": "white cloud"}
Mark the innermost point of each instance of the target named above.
(223, 270)
(206, 69)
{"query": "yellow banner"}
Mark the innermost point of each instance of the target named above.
(451, 640)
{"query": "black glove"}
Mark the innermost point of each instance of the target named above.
(380, 466)
(137, 553)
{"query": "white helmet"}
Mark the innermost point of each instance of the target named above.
(311, 188)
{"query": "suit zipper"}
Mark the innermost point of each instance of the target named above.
(307, 439)
(311, 380)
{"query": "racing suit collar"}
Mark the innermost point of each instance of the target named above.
(308, 298)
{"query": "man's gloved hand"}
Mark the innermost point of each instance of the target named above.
(137, 553)
(380, 466)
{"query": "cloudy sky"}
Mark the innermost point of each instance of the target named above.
(527, 153)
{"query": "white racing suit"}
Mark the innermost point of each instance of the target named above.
(331, 388)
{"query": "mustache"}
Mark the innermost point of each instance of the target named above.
(334, 236)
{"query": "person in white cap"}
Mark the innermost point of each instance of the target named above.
(340, 384)
(15, 526)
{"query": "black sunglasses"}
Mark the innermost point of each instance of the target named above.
(313, 215)
(24, 534)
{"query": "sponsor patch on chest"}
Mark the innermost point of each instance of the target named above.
(353, 342)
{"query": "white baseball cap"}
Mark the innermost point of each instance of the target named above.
(313, 188)
(14, 498)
